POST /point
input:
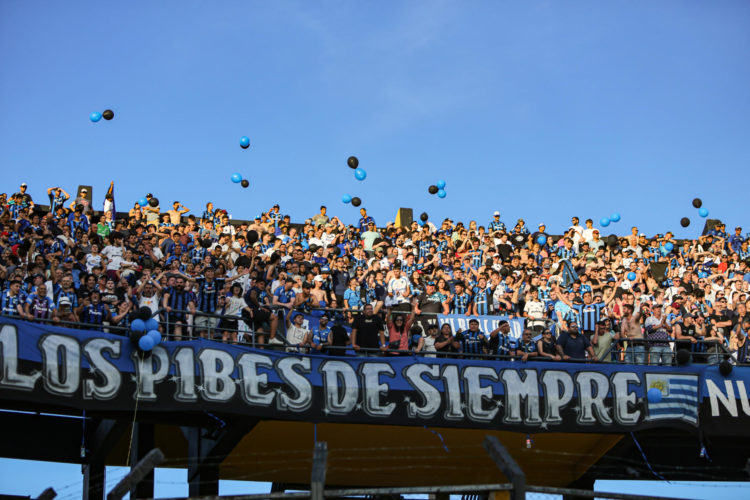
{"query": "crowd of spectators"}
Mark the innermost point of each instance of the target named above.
(582, 296)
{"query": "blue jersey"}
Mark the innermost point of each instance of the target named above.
(566, 253)
(179, 299)
(496, 225)
(10, 303)
(460, 303)
(285, 296)
(353, 298)
(589, 314)
(208, 294)
(320, 336)
(482, 300)
(470, 341)
(95, 314)
(502, 345)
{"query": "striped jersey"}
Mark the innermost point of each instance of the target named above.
(589, 314)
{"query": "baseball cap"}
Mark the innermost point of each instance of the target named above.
(496, 213)
(542, 224)
(325, 269)
(318, 278)
(84, 190)
(23, 184)
(430, 283)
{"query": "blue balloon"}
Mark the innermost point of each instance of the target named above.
(653, 395)
(95, 116)
(441, 193)
(347, 198)
(440, 184)
(236, 178)
(604, 221)
(146, 343)
(142, 202)
(703, 212)
(541, 239)
(152, 324)
(244, 141)
(632, 276)
(615, 217)
(138, 325)
(669, 246)
(360, 174)
(155, 336)
(420, 222)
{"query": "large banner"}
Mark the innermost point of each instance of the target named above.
(78, 369)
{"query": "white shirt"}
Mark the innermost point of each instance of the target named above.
(396, 287)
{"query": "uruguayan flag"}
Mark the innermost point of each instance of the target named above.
(679, 397)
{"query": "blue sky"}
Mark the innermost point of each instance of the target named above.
(538, 109)
(541, 110)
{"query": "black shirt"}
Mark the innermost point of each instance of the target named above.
(368, 330)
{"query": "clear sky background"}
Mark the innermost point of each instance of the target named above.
(541, 110)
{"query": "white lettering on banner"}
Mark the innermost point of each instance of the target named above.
(477, 393)
(742, 393)
(10, 376)
(216, 373)
(184, 361)
(251, 381)
(150, 370)
(62, 364)
(301, 387)
(558, 391)
(452, 393)
(374, 390)
(429, 394)
(494, 393)
(340, 386)
(517, 390)
(716, 396)
(592, 389)
(621, 397)
(94, 350)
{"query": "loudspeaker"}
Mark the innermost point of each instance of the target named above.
(404, 217)
(710, 224)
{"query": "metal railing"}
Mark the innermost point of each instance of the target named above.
(710, 350)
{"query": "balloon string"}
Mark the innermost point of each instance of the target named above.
(445, 447)
(646, 459)
(135, 412)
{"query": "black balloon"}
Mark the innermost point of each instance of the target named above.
(136, 336)
(424, 217)
(356, 201)
(352, 161)
(143, 313)
(725, 368)
(612, 240)
(251, 237)
(154, 202)
(245, 183)
(433, 189)
(697, 203)
(684, 222)
(108, 114)
(682, 356)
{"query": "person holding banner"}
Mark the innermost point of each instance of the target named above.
(399, 326)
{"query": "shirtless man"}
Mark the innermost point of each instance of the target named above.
(630, 330)
(177, 212)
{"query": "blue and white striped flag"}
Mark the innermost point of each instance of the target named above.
(679, 397)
